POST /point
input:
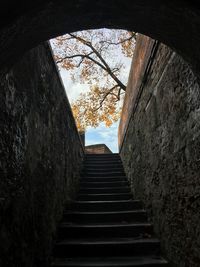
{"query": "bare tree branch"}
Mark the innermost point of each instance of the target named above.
(80, 62)
(133, 36)
(104, 65)
(82, 56)
(118, 95)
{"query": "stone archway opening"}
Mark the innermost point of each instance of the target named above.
(175, 24)
(94, 66)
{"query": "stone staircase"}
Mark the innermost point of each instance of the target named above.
(105, 226)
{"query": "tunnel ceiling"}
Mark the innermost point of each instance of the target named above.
(25, 25)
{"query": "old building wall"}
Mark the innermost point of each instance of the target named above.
(161, 153)
(40, 158)
(97, 149)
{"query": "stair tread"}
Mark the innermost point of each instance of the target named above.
(110, 261)
(104, 159)
(102, 163)
(108, 225)
(102, 172)
(101, 155)
(82, 183)
(103, 167)
(108, 241)
(104, 194)
(105, 212)
(90, 188)
(104, 190)
(122, 177)
(108, 182)
(104, 176)
(108, 205)
(106, 201)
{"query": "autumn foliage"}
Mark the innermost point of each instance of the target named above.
(94, 57)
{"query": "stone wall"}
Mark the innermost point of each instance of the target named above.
(161, 155)
(97, 149)
(141, 64)
(40, 158)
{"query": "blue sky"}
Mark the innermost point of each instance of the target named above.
(103, 135)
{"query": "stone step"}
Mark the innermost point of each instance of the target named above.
(99, 160)
(145, 261)
(104, 190)
(102, 170)
(107, 247)
(117, 196)
(66, 230)
(103, 158)
(117, 205)
(103, 184)
(104, 179)
(116, 162)
(101, 173)
(99, 156)
(102, 217)
(107, 165)
(103, 167)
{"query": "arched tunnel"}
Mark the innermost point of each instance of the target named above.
(26, 25)
(40, 167)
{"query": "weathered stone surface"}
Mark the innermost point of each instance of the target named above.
(140, 66)
(40, 158)
(161, 153)
(97, 149)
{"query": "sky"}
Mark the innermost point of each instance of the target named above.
(100, 134)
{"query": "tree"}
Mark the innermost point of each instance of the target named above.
(92, 57)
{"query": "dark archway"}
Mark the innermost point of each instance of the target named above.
(24, 25)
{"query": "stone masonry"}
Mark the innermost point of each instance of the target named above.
(40, 158)
(161, 153)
